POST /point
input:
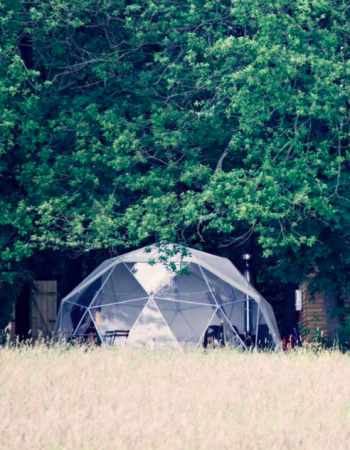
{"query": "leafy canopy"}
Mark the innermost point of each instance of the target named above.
(127, 122)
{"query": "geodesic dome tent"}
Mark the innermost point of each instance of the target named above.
(127, 300)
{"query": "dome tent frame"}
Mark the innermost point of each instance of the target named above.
(85, 301)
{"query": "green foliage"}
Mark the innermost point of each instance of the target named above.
(344, 329)
(344, 333)
(124, 123)
(166, 254)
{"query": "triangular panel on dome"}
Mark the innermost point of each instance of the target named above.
(232, 340)
(121, 286)
(264, 338)
(99, 271)
(189, 286)
(85, 323)
(231, 337)
(224, 269)
(236, 312)
(222, 291)
(151, 330)
(269, 317)
(116, 318)
(151, 277)
(86, 330)
(187, 321)
(87, 294)
(70, 316)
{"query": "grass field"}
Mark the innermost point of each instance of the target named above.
(109, 399)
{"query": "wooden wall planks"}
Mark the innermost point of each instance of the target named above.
(312, 319)
(43, 308)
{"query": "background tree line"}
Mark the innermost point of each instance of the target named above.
(217, 124)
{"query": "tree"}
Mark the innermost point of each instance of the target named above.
(130, 122)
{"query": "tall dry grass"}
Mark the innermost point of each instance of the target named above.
(109, 399)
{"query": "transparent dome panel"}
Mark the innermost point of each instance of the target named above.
(86, 295)
(231, 336)
(99, 270)
(117, 318)
(121, 286)
(220, 333)
(151, 277)
(222, 291)
(188, 322)
(264, 338)
(71, 316)
(86, 331)
(189, 286)
(237, 315)
(151, 330)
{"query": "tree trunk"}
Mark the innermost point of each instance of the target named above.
(331, 301)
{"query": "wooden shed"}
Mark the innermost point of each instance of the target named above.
(312, 317)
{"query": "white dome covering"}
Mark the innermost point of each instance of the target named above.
(137, 300)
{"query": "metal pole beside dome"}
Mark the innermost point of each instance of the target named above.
(248, 319)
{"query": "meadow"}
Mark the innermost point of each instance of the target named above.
(103, 398)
